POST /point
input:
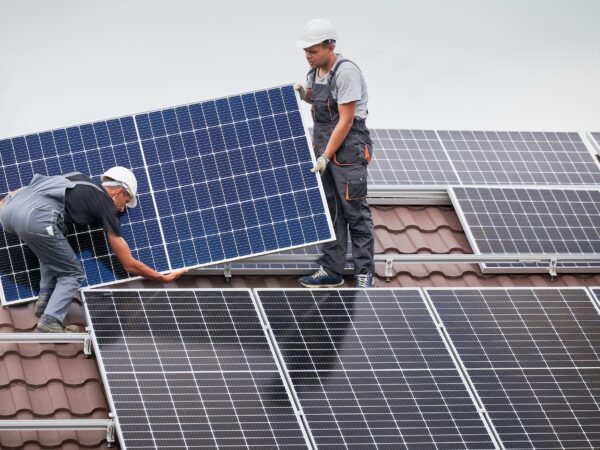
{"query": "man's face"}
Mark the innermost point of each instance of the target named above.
(121, 199)
(318, 54)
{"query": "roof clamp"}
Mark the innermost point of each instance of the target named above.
(552, 268)
(227, 272)
(87, 343)
(110, 431)
(388, 269)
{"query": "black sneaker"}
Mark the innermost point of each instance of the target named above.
(321, 279)
(40, 304)
(55, 326)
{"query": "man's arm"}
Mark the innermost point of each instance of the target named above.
(132, 265)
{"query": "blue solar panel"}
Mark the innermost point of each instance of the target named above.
(90, 149)
(232, 178)
(219, 181)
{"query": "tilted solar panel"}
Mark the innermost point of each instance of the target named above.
(220, 180)
(190, 369)
(533, 357)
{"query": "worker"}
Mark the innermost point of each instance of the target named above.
(336, 88)
(39, 213)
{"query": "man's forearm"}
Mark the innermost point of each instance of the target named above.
(338, 135)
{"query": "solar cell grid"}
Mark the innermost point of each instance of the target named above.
(371, 370)
(526, 158)
(532, 356)
(409, 157)
(190, 369)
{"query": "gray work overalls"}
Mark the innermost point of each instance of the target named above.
(35, 214)
(344, 181)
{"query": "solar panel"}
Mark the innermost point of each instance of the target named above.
(370, 369)
(526, 158)
(90, 149)
(220, 180)
(533, 357)
(190, 369)
(513, 220)
(409, 157)
(231, 178)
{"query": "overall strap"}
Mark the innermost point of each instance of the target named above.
(82, 183)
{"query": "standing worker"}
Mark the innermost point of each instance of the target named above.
(337, 91)
(38, 214)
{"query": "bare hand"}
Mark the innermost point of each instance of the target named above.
(173, 275)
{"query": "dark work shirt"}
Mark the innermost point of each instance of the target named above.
(86, 205)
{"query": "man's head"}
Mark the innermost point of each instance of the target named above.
(121, 185)
(318, 42)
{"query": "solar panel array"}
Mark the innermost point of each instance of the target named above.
(371, 370)
(219, 181)
(191, 369)
(507, 220)
(445, 158)
(533, 357)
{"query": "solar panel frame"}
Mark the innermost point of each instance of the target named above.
(529, 237)
(172, 123)
(380, 367)
(594, 138)
(510, 375)
(105, 373)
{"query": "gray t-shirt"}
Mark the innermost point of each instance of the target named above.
(350, 86)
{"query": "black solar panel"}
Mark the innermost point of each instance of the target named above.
(191, 369)
(409, 157)
(371, 370)
(533, 356)
(512, 220)
(527, 158)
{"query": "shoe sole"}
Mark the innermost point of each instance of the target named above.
(318, 286)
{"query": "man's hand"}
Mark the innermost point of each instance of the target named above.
(301, 90)
(173, 275)
(321, 165)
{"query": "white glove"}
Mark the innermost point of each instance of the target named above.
(301, 90)
(320, 165)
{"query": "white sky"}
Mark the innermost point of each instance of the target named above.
(435, 64)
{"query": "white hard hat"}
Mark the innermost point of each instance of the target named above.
(315, 32)
(127, 180)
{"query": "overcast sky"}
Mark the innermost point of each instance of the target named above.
(443, 64)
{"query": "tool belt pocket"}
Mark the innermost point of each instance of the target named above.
(356, 183)
(354, 151)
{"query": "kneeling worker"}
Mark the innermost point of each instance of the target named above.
(38, 214)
